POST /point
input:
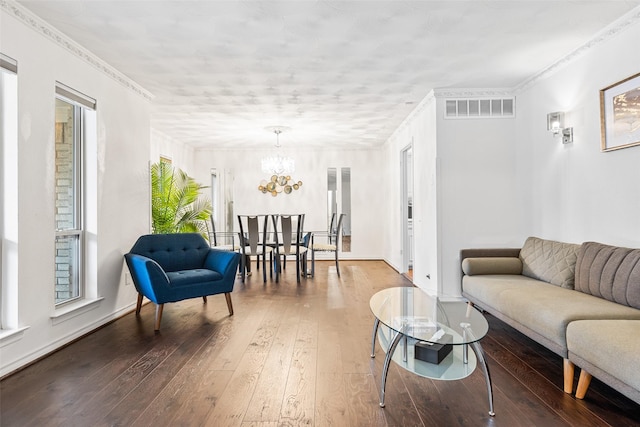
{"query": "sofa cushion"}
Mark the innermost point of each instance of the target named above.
(610, 345)
(543, 309)
(609, 272)
(549, 261)
(486, 289)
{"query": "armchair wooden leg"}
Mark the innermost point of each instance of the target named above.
(568, 376)
(227, 295)
(159, 308)
(337, 265)
(139, 303)
(204, 298)
(583, 384)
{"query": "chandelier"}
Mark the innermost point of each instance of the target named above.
(280, 168)
(278, 164)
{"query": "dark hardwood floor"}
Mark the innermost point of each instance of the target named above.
(291, 355)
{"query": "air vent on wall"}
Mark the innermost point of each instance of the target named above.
(479, 108)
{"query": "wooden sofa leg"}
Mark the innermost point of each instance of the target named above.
(568, 376)
(583, 384)
(227, 295)
(204, 298)
(159, 308)
(139, 304)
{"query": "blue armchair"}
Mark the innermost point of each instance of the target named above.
(173, 267)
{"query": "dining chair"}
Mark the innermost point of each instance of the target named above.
(289, 243)
(220, 239)
(330, 243)
(254, 243)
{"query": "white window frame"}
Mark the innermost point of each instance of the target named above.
(9, 195)
(81, 104)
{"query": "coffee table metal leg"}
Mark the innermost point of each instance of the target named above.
(376, 323)
(387, 361)
(405, 348)
(477, 348)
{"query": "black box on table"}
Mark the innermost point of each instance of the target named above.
(433, 353)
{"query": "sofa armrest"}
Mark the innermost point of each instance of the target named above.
(222, 261)
(148, 277)
(491, 265)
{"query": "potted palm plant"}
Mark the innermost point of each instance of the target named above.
(176, 202)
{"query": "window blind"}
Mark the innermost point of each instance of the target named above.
(75, 96)
(8, 64)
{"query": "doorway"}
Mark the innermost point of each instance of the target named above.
(406, 179)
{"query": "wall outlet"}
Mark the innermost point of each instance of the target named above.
(127, 279)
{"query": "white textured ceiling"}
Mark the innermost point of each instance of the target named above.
(338, 73)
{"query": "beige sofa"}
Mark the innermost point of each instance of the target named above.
(580, 301)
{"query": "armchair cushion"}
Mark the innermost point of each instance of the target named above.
(190, 277)
(173, 252)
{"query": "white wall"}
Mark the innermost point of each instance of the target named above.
(368, 201)
(465, 194)
(498, 181)
(480, 202)
(419, 130)
(180, 154)
(580, 193)
(121, 196)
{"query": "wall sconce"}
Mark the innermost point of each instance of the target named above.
(555, 124)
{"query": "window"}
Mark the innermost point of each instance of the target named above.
(70, 135)
(8, 193)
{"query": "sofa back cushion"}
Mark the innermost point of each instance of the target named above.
(609, 272)
(549, 261)
(173, 252)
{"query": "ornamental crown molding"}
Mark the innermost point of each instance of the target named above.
(473, 93)
(618, 26)
(427, 100)
(37, 24)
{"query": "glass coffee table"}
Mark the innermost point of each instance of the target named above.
(409, 316)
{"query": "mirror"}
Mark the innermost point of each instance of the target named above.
(332, 190)
(345, 185)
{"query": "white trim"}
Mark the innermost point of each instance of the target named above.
(8, 64)
(464, 93)
(421, 106)
(9, 336)
(74, 96)
(69, 311)
(12, 366)
(619, 25)
(45, 29)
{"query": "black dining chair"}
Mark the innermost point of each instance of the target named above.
(253, 243)
(289, 242)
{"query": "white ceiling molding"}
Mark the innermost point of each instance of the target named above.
(473, 93)
(608, 32)
(29, 19)
(421, 106)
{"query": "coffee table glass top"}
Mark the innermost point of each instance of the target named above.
(416, 314)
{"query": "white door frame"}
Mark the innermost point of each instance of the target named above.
(406, 184)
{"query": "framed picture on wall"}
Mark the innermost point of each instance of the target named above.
(620, 114)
